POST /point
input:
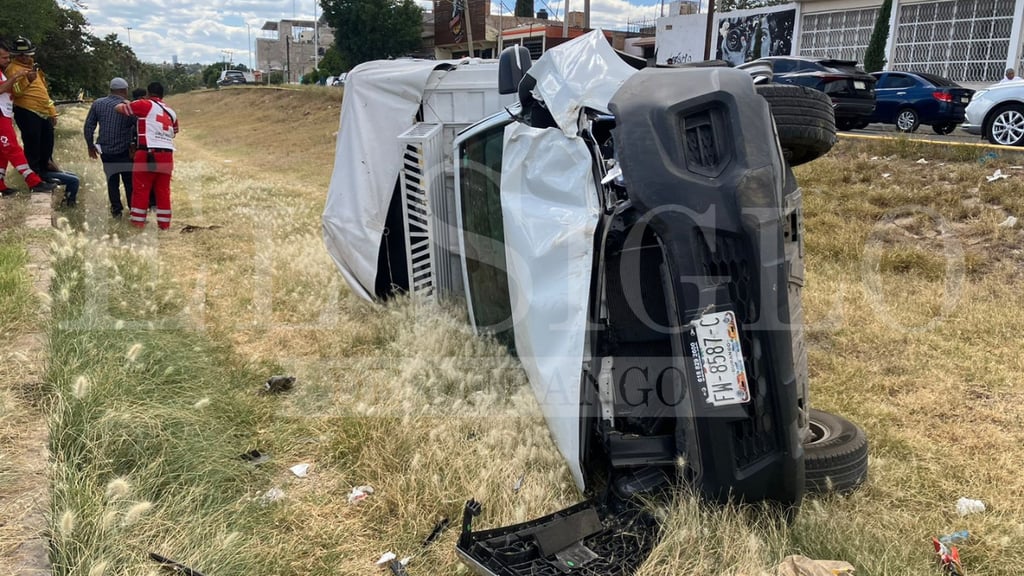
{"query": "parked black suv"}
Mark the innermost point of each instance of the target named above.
(851, 90)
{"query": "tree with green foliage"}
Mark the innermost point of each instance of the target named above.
(524, 8)
(176, 78)
(367, 30)
(332, 64)
(211, 73)
(874, 55)
(33, 19)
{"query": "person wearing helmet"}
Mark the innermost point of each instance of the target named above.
(10, 150)
(34, 111)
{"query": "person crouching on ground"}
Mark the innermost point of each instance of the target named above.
(154, 159)
(10, 150)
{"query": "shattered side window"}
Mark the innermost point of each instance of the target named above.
(484, 233)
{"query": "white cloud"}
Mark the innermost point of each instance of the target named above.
(201, 30)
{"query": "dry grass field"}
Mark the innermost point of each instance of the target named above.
(160, 342)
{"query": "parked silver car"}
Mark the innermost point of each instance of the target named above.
(997, 114)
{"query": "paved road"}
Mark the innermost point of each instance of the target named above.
(923, 133)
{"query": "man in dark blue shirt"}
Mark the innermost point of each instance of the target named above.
(116, 134)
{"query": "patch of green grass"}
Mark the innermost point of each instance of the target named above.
(16, 301)
(147, 422)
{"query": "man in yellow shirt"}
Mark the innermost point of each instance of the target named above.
(34, 111)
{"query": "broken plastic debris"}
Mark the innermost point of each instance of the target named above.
(272, 495)
(965, 506)
(300, 470)
(874, 158)
(277, 384)
(1010, 222)
(359, 493)
(519, 483)
(255, 457)
(385, 558)
(957, 536)
(397, 567)
(997, 175)
(176, 567)
(922, 161)
(438, 528)
(188, 228)
(986, 157)
(886, 175)
(949, 558)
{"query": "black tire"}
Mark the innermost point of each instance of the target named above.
(1005, 125)
(907, 120)
(836, 456)
(943, 129)
(804, 120)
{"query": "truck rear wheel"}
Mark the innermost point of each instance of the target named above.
(836, 456)
(804, 120)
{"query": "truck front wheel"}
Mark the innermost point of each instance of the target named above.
(836, 455)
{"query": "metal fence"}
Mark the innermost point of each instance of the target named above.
(843, 35)
(963, 40)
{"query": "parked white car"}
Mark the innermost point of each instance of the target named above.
(997, 114)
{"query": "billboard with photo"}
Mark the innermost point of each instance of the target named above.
(744, 35)
(680, 39)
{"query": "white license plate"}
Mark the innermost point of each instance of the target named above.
(721, 372)
(965, 99)
(859, 85)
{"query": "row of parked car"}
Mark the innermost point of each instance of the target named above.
(905, 99)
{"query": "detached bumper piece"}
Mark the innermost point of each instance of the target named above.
(586, 539)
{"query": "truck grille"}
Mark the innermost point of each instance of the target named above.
(726, 263)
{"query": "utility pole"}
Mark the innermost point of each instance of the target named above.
(316, 38)
(288, 58)
(565, 18)
(469, 26)
(131, 71)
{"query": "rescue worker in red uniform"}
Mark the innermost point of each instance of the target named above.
(10, 150)
(154, 158)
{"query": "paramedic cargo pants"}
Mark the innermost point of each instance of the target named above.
(152, 171)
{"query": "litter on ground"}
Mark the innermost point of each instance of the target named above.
(997, 175)
(1010, 222)
(957, 536)
(272, 495)
(949, 558)
(278, 384)
(965, 506)
(300, 470)
(255, 457)
(359, 493)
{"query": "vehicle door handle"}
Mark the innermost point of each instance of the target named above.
(901, 93)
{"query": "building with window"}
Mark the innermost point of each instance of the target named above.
(970, 41)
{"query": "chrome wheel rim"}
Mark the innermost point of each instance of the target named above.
(905, 121)
(1008, 127)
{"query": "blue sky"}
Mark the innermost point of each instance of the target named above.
(209, 31)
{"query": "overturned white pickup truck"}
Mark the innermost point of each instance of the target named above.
(636, 237)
